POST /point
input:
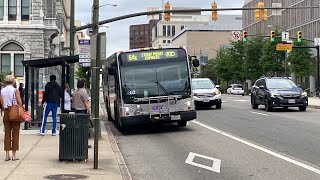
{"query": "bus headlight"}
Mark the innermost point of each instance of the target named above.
(187, 105)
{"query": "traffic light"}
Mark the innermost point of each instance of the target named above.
(167, 15)
(272, 36)
(257, 14)
(265, 14)
(244, 36)
(260, 14)
(299, 36)
(214, 14)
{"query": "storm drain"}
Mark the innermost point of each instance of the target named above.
(66, 176)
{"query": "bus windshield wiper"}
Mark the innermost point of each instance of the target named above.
(161, 87)
(127, 87)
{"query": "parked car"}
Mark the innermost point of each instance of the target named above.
(278, 92)
(205, 93)
(235, 89)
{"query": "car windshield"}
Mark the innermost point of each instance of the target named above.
(283, 84)
(238, 86)
(202, 84)
(156, 77)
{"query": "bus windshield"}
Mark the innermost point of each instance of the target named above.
(154, 73)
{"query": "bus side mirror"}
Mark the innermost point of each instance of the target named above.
(111, 71)
(195, 63)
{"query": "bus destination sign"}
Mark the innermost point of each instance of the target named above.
(152, 55)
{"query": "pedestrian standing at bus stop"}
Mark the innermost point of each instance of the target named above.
(81, 101)
(51, 100)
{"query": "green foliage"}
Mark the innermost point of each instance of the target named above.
(253, 52)
(272, 60)
(257, 57)
(83, 73)
(302, 63)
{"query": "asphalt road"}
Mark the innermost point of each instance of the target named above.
(251, 144)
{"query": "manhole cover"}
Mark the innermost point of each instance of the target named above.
(66, 176)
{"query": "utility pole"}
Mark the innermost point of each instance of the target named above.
(72, 32)
(95, 78)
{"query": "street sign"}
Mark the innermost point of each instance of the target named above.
(284, 47)
(84, 53)
(285, 36)
(317, 41)
(236, 35)
(84, 64)
(277, 12)
(84, 60)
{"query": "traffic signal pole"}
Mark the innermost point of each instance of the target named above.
(95, 78)
(72, 34)
(185, 11)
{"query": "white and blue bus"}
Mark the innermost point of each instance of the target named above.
(149, 85)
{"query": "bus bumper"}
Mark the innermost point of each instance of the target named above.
(142, 119)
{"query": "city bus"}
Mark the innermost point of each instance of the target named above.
(149, 85)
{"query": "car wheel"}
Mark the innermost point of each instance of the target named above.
(302, 108)
(218, 106)
(253, 103)
(242, 94)
(182, 123)
(267, 105)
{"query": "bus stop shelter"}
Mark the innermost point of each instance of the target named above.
(32, 80)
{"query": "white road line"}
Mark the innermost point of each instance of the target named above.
(261, 148)
(241, 100)
(259, 113)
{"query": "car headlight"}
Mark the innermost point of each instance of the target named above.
(304, 94)
(216, 92)
(275, 95)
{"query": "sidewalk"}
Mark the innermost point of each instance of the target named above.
(314, 102)
(39, 159)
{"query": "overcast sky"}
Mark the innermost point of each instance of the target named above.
(118, 32)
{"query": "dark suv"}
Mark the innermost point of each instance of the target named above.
(278, 92)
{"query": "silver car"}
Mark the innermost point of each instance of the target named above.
(206, 93)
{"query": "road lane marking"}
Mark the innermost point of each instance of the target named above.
(259, 113)
(310, 168)
(241, 100)
(215, 164)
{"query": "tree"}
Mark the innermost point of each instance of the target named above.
(302, 63)
(84, 72)
(272, 60)
(237, 53)
(253, 52)
(222, 65)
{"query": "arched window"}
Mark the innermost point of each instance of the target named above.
(10, 60)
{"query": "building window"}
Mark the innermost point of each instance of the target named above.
(25, 9)
(169, 30)
(12, 15)
(164, 30)
(168, 41)
(18, 66)
(1, 9)
(12, 56)
(182, 27)
(5, 63)
(173, 30)
(164, 41)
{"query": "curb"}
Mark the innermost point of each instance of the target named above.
(114, 145)
(314, 106)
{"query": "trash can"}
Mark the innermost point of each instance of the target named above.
(73, 137)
